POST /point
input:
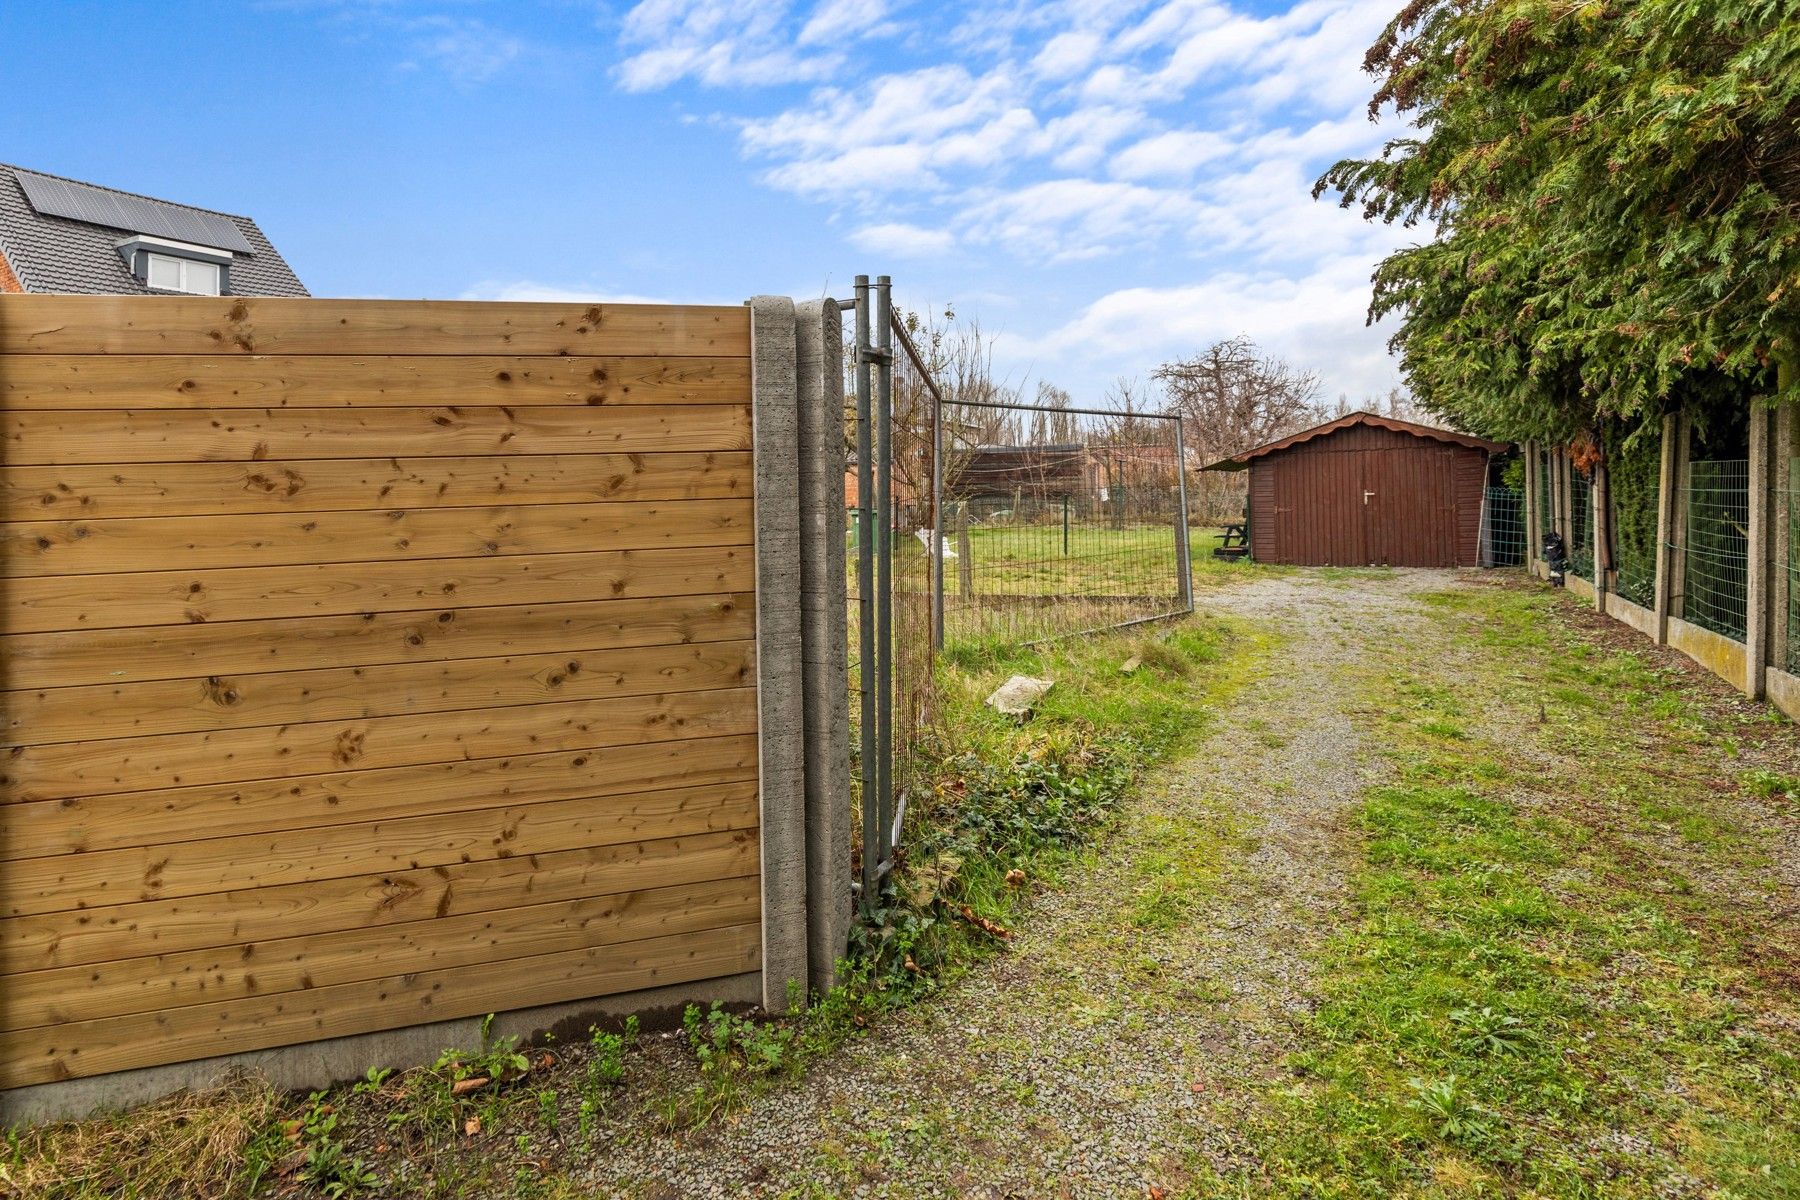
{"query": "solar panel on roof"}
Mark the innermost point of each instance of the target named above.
(133, 214)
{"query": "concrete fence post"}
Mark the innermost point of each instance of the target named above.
(1757, 556)
(1667, 486)
(825, 636)
(1533, 529)
(1781, 485)
(781, 735)
(1600, 527)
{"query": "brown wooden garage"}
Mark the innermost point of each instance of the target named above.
(1365, 490)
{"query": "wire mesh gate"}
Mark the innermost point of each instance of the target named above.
(1052, 521)
(980, 520)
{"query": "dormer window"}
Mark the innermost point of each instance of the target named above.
(166, 273)
(164, 265)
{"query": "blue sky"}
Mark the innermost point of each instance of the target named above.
(1105, 185)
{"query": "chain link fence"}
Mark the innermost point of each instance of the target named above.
(1057, 521)
(1715, 568)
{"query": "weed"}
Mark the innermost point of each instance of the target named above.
(1484, 1031)
(329, 1169)
(1446, 1105)
(547, 1108)
(606, 1064)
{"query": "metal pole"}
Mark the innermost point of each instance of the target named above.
(1065, 525)
(1182, 548)
(884, 562)
(865, 591)
(937, 512)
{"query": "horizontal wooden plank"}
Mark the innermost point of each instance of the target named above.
(83, 1048)
(243, 325)
(354, 693)
(47, 941)
(168, 982)
(147, 435)
(242, 594)
(87, 381)
(84, 547)
(222, 864)
(117, 765)
(111, 822)
(68, 659)
(57, 493)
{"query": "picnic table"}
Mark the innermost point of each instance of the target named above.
(1234, 542)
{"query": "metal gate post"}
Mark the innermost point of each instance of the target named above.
(883, 355)
(937, 517)
(1182, 535)
(865, 591)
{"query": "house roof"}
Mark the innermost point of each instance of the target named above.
(1238, 462)
(54, 253)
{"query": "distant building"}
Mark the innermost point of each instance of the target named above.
(61, 235)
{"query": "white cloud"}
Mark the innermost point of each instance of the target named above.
(1138, 138)
(842, 18)
(1177, 154)
(469, 51)
(723, 44)
(1078, 218)
(903, 241)
(1316, 320)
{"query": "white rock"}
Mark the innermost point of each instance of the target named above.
(1018, 695)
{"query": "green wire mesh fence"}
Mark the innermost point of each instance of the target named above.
(1581, 526)
(1545, 506)
(1793, 566)
(1715, 570)
(1503, 528)
(1634, 539)
(1057, 522)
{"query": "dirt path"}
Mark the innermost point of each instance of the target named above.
(1115, 1049)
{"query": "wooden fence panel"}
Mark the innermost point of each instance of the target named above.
(366, 663)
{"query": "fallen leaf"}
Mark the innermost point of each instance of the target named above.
(548, 1061)
(381, 1147)
(986, 926)
(472, 1126)
(463, 1087)
(1131, 664)
(1156, 1193)
(911, 965)
(292, 1129)
(291, 1163)
(1015, 878)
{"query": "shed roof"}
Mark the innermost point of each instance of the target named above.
(1238, 462)
(50, 252)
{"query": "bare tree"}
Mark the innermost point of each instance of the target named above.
(1232, 397)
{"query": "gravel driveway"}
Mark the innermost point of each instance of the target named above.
(1115, 1049)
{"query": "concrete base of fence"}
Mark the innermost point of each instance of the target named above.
(1579, 587)
(1717, 653)
(1635, 615)
(336, 1060)
(1783, 691)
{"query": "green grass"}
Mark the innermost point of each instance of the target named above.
(1532, 997)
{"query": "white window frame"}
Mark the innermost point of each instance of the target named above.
(186, 267)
